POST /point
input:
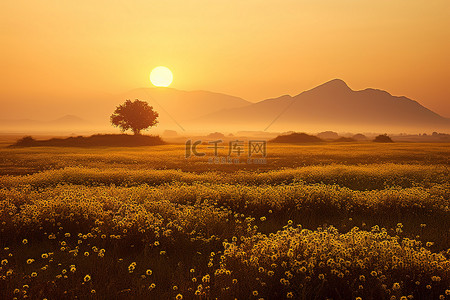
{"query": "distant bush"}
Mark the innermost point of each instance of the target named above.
(383, 138)
(25, 141)
(216, 135)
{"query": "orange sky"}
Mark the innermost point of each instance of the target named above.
(255, 49)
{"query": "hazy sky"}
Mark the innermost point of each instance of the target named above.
(255, 49)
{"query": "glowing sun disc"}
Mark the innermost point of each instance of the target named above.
(161, 76)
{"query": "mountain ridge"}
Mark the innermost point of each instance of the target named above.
(333, 104)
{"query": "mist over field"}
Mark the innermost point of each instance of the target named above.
(329, 106)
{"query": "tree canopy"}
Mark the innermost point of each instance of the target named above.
(134, 115)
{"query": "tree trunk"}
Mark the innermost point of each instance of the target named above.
(136, 131)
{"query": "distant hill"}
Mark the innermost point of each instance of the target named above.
(332, 105)
(359, 137)
(296, 137)
(67, 122)
(180, 106)
(328, 135)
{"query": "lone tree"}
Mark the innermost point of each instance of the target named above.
(135, 115)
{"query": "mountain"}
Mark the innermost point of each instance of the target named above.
(68, 120)
(64, 123)
(177, 106)
(330, 106)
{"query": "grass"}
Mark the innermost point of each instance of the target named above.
(337, 221)
(30, 160)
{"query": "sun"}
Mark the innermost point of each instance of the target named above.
(161, 76)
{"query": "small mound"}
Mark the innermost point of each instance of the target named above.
(359, 137)
(97, 140)
(383, 138)
(296, 138)
(328, 135)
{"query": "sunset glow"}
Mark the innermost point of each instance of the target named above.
(256, 50)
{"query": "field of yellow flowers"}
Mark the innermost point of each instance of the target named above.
(333, 221)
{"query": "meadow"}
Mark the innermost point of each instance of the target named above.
(325, 221)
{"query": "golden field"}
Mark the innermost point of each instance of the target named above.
(328, 221)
